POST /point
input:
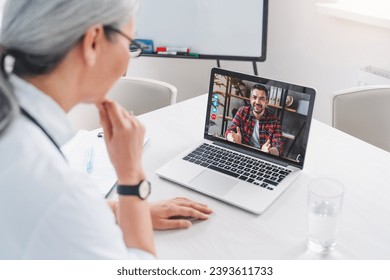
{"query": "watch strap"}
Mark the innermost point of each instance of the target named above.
(128, 189)
(142, 189)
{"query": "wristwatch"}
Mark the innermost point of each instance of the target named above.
(142, 189)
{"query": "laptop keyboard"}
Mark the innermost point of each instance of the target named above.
(255, 171)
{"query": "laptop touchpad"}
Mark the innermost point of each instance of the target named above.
(212, 182)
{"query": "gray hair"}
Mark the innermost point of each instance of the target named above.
(39, 34)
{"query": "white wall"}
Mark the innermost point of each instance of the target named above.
(304, 47)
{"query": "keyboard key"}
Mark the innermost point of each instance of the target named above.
(244, 178)
(270, 182)
(216, 168)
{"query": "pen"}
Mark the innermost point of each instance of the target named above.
(172, 49)
(171, 53)
(193, 54)
(90, 160)
(180, 53)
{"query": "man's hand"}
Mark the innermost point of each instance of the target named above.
(235, 136)
(174, 213)
(265, 148)
(269, 149)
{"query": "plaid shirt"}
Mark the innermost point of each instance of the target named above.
(269, 127)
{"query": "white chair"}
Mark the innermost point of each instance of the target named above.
(139, 95)
(364, 112)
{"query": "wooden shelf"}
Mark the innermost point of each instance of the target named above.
(239, 97)
(226, 118)
(280, 107)
(219, 92)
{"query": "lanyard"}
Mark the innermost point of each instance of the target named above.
(31, 118)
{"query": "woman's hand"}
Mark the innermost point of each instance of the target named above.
(124, 136)
(175, 213)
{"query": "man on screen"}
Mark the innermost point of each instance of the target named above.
(256, 125)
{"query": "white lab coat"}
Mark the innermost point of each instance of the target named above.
(48, 210)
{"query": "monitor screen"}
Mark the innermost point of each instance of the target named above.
(264, 115)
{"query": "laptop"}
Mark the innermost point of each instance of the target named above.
(245, 173)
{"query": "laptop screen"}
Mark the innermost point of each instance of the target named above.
(269, 117)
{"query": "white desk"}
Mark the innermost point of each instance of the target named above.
(280, 233)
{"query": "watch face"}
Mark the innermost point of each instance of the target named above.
(144, 189)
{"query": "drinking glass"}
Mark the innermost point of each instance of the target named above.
(325, 198)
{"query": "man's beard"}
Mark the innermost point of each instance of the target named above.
(261, 108)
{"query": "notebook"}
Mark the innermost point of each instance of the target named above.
(253, 148)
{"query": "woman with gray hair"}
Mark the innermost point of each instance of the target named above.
(54, 55)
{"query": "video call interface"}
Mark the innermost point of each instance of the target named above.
(282, 129)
